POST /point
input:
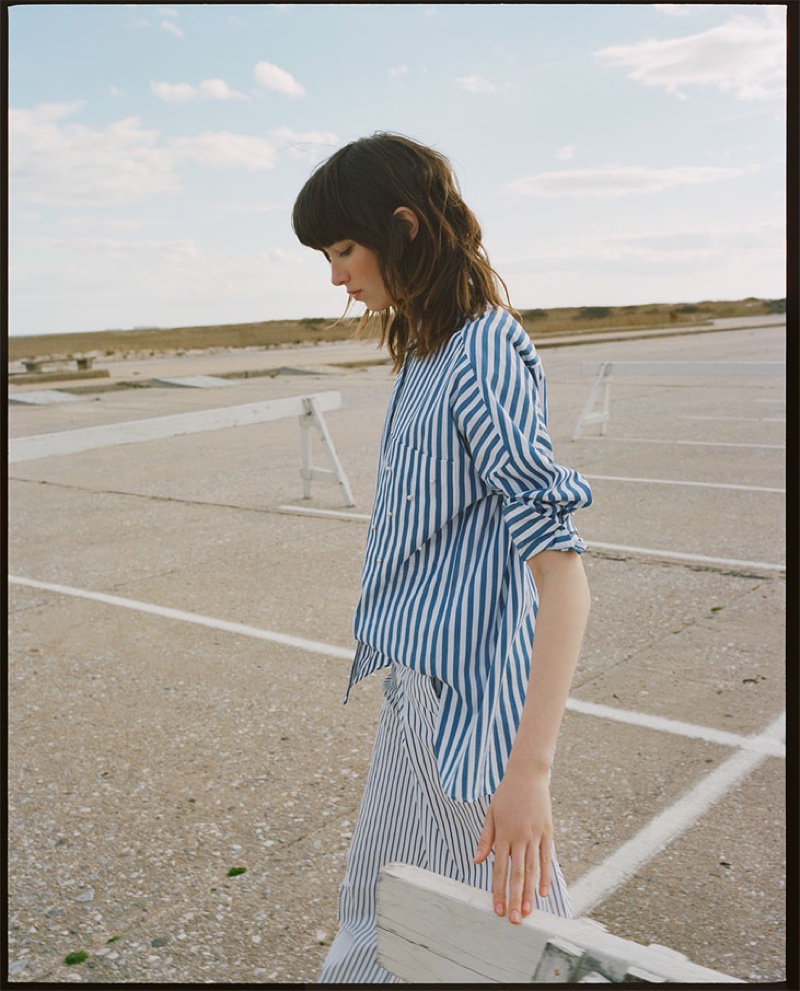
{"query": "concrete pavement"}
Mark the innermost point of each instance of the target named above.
(151, 752)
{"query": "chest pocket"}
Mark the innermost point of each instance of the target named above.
(418, 495)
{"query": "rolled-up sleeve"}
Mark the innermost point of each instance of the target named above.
(501, 415)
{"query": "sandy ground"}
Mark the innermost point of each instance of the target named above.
(149, 755)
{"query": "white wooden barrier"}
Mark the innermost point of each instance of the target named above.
(312, 414)
(308, 408)
(435, 930)
(604, 369)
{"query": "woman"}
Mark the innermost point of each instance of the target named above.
(471, 544)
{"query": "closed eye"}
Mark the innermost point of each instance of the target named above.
(339, 252)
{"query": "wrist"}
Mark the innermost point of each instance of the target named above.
(529, 765)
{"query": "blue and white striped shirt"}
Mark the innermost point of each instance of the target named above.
(467, 492)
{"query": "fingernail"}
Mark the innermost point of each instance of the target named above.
(545, 891)
(515, 916)
(499, 908)
(527, 908)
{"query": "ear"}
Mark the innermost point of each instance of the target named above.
(407, 215)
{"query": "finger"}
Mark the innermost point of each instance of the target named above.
(500, 879)
(531, 875)
(486, 840)
(546, 868)
(516, 884)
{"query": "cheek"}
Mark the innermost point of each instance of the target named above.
(377, 275)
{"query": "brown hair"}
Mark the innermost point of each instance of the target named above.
(435, 281)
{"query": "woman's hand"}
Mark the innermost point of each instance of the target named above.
(519, 823)
(519, 827)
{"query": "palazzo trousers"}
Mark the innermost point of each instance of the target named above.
(405, 817)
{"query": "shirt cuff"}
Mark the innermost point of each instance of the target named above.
(533, 530)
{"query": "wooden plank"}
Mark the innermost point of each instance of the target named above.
(136, 431)
(432, 929)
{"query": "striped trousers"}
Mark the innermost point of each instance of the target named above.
(405, 817)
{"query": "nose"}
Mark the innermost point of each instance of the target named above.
(339, 276)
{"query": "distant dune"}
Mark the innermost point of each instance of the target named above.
(270, 333)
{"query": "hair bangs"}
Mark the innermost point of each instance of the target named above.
(317, 218)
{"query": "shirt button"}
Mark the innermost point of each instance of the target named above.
(409, 498)
(388, 467)
(389, 513)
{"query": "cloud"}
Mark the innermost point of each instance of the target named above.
(745, 56)
(169, 250)
(667, 246)
(272, 77)
(476, 84)
(94, 222)
(174, 92)
(401, 70)
(209, 89)
(566, 153)
(306, 144)
(664, 247)
(172, 28)
(249, 207)
(218, 89)
(677, 250)
(618, 181)
(290, 256)
(227, 149)
(52, 160)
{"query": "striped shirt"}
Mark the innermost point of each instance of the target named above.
(467, 492)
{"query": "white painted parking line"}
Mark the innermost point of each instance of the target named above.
(688, 558)
(596, 886)
(716, 562)
(756, 744)
(690, 443)
(672, 481)
(737, 419)
(313, 646)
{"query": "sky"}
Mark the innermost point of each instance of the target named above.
(614, 154)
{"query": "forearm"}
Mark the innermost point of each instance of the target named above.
(560, 623)
(519, 823)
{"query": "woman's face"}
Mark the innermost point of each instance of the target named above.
(356, 268)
